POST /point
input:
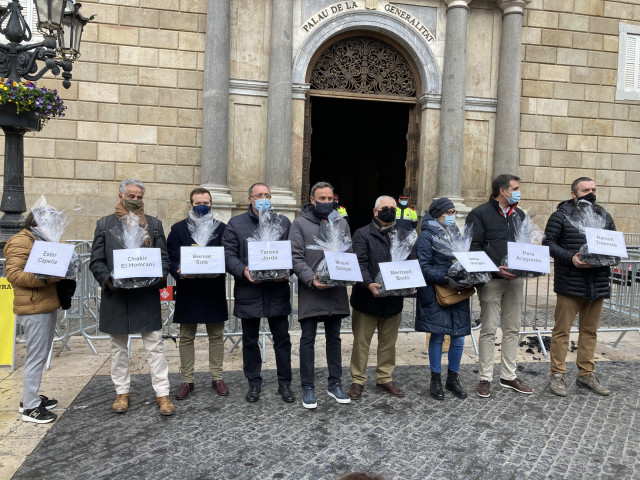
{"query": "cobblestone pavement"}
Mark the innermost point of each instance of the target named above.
(508, 436)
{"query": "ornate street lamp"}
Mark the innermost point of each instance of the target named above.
(61, 25)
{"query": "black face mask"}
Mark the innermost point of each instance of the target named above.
(589, 197)
(387, 216)
(324, 208)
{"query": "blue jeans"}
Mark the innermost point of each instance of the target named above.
(435, 352)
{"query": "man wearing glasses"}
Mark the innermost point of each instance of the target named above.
(255, 300)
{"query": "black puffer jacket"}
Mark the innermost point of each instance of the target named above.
(252, 300)
(491, 230)
(372, 247)
(564, 241)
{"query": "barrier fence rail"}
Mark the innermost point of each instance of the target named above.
(621, 312)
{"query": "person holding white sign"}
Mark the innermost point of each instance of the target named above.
(372, 245)
(500, 298)
(256, 299)
(135, 310)
(35, 305)
(318, 302)
(198, 300)
(579, 287)
(453, 320)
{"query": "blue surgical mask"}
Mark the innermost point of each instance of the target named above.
(201, 210)
(262, 204)
(324, 208)
(403, 203)
(449, 220)
(515, 197)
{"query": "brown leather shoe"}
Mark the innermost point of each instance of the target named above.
(392, 389)
(121, 404)
(184, 390)
(517, 385)
(484, 389)
(221, 387)
(355, 392)
(166, 407)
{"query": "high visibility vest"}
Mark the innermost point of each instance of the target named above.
(406, 218)
(342, 211)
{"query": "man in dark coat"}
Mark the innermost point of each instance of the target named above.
(255, 300)
(372, 245)
(134, 310)
(579, 287)
(198, 300)
(493, 227)
(318, 302)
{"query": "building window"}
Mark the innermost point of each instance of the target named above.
(628, 87)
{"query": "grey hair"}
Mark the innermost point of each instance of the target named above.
(318, 186)
(379, 199)
(130, 181)
(255, 185)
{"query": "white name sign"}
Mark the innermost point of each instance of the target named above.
(49, 258)
(269, 255)
(529, 257)
(194, 260)
(137, 263)
(343, 266)
(406, 274)
(475, 262)
(606, 242)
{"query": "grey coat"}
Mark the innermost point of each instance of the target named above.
(313, 302)
(125, 311)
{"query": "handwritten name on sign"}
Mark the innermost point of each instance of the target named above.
(475, 262)
(137, 263)
(343, 266)
(49, 258)
(269, 255)
(201, 260)
(606, 242)
(405, 274)
(528, 257)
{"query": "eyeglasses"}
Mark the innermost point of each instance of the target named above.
(261, 196)
(450, 212)
(384, 209)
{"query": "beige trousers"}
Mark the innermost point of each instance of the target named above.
(158, 367)
(499, 296)
(188, 353)
(364, 327)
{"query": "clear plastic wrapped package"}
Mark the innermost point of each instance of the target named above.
(270, 229)
(202, 230)
(331, 238)
(51, 224)
(452, 240)
(585, 215)
(400, 250)
(526, 231)
(130, 234)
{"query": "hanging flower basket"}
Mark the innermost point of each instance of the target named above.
(24, 105)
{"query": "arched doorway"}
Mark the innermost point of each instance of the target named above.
(362, 123)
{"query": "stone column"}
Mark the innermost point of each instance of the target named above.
(452, 114)
(506, 155)
(278, 162)
(215, 107)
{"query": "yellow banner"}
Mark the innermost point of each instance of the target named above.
(7, 323)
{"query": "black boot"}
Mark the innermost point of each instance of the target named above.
(436, 387)
(453, 385)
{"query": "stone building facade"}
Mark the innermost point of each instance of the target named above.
(426, 97)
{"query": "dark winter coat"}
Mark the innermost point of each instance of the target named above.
(133, 310)
(431, 317)
(252, 300)
(564, 241)
(372, 247)
(491, 230)
(198, 300)
(313, 302)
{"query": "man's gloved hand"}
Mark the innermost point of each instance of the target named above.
(453, 284)
(160, 283)
(108, 284)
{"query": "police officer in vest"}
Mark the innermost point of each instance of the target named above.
(341, 210)
(406, 217)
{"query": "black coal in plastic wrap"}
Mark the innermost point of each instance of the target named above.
(270, 229)
(400, 249)
(131, 235)
(585, 215)
(331, 238)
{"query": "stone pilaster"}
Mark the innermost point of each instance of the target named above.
(452, 113)
(215, 107)
(278, 162)
(506, 155)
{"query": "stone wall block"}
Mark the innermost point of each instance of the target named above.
(99, 132)
(192, 79)
(536, 53)
(530, 71)
(537, 89)
(624, 195)
(633, 145)
(602, 60)
(583, 109)
(39, 147)
(566, 159)
(162, 116)
(95, 170)
(558, 5)
(625, 162)
(610, 43)
(191, 41)
(548, 175)
(184, 137)
(139, 56)
(158, 154)
(183, 22)
(586, 75)
(587, 41)
(566, 125)
(614, 178)
(117, 35)
(174, 174)
(53, 168)
(535, 157)
(570, 174)
(632, 179)
(178, 59)
(139, 17)
(143, 172)
(556, 38)
(554, 107)
(65, 129)
(596, 160)
(117, 152)
(568, 56)
(612, 145)
(180, 98)
(626, 129)
(582, 143)
(106, 53)
(541, 18)
(593, 126)
(589, 7)
(189, 156)
(531, 35)
(193, 6)
(138, 134)
(139, 95)
(555, 73)
(153, 38)
(572, 22)
(599, 93)
(527, 141)
(535, 123)
(608, 26)
(620, 10)
(98, 92)
(81, 111)
(74, 150)
(121, 74)
(190, 118)
(568, 91)
(158, 77)
(115, 113)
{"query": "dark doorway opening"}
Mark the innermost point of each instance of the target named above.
(360, 147)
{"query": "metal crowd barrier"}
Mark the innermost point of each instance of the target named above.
(621, 312)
